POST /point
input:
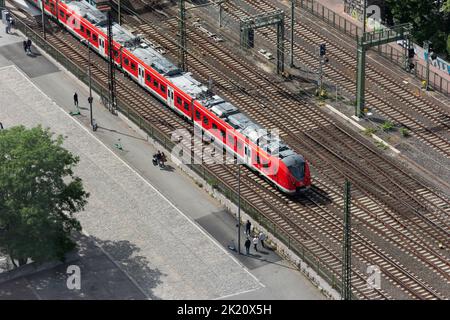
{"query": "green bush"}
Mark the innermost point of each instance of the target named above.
(369, 131)
(404, 132)
(387, 126)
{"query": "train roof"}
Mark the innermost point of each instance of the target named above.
(144, 51)
(155, 59)
(92, 14)
(121, 35)
(189, 85)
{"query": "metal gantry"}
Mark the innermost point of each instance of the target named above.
(371, 39)
(182, 39)
(249, 24)
(346, 293)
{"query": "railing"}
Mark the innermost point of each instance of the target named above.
(395, 55)
(298, 248)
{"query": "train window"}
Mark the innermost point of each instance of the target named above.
(133, 66)
(126, 61)
(230, 139)
(239, 145)
(186, 106)
(149, 79)
(205, 120)
(179, 101)
(222, 133)
(155, 83)
(94, 37)
(214, 126)
(197, 115)
(61, 14)
(116, 53)
(88, 32)
(46, 2)
(81, 28)
(163, 88)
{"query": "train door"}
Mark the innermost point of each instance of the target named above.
(170, 101)
(248, 155)
(141, 75)
(101, 45)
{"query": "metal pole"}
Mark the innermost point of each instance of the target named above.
(43, 18)
(90, 83)
(320, 74)
(292, 33)
(239, 208)
(111, 67)
(346, 293)
(280, 46)
(364, 15)
(220, 14)
(119, 13)
(360, 80)
(182, 43)
(426, 46)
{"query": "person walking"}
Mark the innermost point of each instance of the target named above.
(25, 46)
(255, 243)
(29, 45)
(248, 227)
(8, 25)
(247, 244)
(1, 126)
(262, 237)
(75, 99)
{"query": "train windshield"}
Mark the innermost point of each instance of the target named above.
(298, 171)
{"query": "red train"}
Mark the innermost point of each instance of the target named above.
(218, 119)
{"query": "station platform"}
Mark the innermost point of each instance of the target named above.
(165, 236)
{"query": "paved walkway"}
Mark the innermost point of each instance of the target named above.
(160, 229)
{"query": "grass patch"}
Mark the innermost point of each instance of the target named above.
(381, 145)
(404, 132)
(387, 126)
(369, 131)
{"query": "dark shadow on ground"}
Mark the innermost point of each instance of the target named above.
(103, 276)
(123, 134)
(126, 255)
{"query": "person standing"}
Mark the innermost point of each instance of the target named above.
(248, 227)
(163, 159)
(1, 126)
(75, 99)
(255, 243)
(262, 237)
(247, 244)
(8, 25)
(29, 45)
(158, 158)
(13, 22)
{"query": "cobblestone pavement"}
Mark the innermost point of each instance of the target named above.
(126, 215)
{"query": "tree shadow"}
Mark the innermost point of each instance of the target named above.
(126, 255)
(109, 270)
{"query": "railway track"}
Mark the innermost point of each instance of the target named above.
(441, 267)
(294, 223)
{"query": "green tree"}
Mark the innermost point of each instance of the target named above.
(39, 195)
(430, 20)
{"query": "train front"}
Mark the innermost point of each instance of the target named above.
(295, 173)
